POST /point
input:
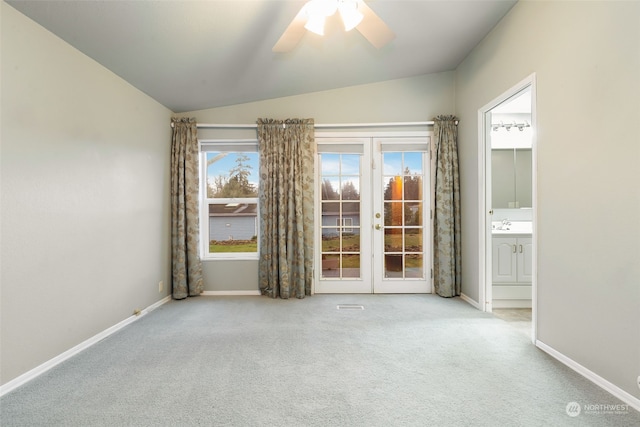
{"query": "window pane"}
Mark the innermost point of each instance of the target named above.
(413, 266)
(330, 188)
(351, 266)
(413, 187)
(330, 240)
(413, 239)
(413, 163)
(330, 209)
(393, 266)
(232, 175)
(331, 265)
(412, 213)
(330, 164)
(393, 240)
(393, 214)
(392, 163)
(393, 188)
(350, 164)
(350, 189)
(233, 227)
(350, 242)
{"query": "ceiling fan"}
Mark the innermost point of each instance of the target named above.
(354, 13)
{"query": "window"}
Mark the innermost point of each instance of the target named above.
(346, 223)
(229, 201)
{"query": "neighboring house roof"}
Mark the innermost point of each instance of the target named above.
(233, 209)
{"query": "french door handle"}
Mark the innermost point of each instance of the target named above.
(378, 227)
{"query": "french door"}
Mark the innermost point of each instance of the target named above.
(373, 215)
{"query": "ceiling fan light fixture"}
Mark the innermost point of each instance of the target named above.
(315, 24)
(350, 14)
(355, 14)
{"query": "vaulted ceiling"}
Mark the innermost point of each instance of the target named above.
(191, 55)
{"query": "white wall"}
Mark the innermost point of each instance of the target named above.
(586, 56)
(412, 99)
(84, 197)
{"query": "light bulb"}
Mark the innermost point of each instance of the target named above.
(315, 24)
(350, 14)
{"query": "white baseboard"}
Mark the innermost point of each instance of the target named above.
(626, 397)
(41, 369)
(511, 303)
(469, 301)
(223, 293)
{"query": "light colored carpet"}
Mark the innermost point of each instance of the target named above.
(405, 360)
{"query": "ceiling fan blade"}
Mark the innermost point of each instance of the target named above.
(373, 28)
(294, 32)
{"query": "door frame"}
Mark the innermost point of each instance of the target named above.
(372, 136)
(484, 202)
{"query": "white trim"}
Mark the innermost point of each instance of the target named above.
(484, 245)
(469, 301)
(511, 303)
(626, 397)
(46, 366)
(225, 293)
(484, 295)
(373, 134)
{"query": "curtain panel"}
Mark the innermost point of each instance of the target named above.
(286, 150)
(187, 278)
(447, 247)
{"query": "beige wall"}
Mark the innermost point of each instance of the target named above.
(85, 206)
(586, 56)
(413, 99)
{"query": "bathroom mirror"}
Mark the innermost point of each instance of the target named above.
(511, 172)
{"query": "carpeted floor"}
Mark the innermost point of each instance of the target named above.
(405, 360)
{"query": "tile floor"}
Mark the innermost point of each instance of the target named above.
(519, 318)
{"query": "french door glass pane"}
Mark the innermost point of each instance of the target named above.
(403, 212)
(341, 211)
(413, 240)
(413, 266)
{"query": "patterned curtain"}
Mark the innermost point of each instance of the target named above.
(187, 279)
(447, 248)
(286, 207)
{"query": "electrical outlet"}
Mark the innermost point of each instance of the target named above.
(160, 286)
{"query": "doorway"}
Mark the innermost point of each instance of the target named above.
(373, 215)
(507, 194)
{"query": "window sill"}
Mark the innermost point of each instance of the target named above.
(231, 258)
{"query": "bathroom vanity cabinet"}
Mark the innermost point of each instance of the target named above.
(512, 270)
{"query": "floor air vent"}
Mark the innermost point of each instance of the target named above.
(350, 307)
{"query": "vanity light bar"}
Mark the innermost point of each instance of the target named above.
(508, 126)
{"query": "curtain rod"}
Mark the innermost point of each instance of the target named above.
(321, 125)
(317, 125)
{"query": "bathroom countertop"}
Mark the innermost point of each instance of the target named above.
(513, 228)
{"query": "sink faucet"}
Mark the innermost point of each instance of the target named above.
(505, 222)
